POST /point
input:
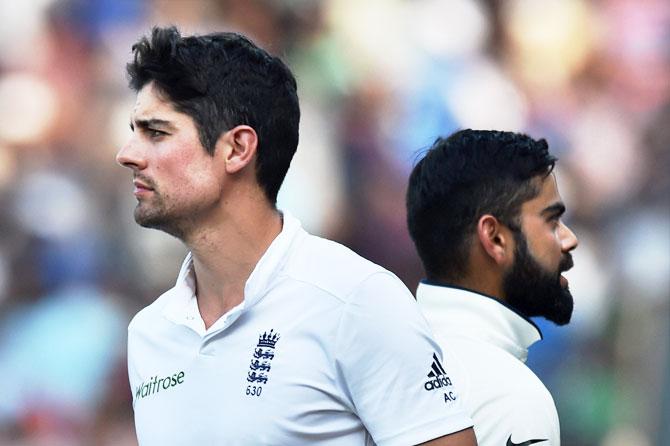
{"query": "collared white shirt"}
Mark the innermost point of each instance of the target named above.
(488, 345)
(326, 348)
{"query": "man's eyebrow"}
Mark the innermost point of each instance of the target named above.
(554, 210)
(152, 123)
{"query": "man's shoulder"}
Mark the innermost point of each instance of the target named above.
(484, 360)
(496, 379)
(148, 315)
(502, 394)
(334, 268)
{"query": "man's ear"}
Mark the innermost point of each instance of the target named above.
(238, 147)
(495, 239)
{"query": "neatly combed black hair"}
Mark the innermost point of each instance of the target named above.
(461, 178)
(222, 80)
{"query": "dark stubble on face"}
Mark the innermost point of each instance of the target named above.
(533, 291)
(155, 215)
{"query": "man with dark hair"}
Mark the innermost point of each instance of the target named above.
(484, 212)
(270, 335)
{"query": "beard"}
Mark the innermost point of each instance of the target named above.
(155, 213)
(533, 291)
(156, 219)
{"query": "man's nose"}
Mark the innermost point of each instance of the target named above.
(569, 240)
(130, 156)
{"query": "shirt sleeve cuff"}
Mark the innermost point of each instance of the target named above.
(428, 431)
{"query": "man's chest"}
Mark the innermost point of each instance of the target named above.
(258, 384)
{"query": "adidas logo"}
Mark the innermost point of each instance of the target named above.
(438, 376)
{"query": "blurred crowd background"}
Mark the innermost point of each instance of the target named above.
(378, 80)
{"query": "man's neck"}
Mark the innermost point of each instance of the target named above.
(481, 283)
(226, 253)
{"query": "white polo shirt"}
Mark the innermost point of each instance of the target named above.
(327, 348)
(488, 346)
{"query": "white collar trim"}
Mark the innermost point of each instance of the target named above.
(460, 312)
(182, 306)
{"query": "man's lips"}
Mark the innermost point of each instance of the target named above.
(141, 187)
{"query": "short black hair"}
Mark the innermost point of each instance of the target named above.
(222, 80)
(461, 178)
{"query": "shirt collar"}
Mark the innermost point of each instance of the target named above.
(461, 312)
(182, 306)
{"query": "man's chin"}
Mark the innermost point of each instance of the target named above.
(160, 222)
(148, 219)
(554, 303)
(560, 320)
(561, 313)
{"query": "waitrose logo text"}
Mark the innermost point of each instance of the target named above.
(155, 384)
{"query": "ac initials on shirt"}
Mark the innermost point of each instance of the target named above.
(449, 397)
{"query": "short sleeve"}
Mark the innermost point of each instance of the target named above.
(392, 369)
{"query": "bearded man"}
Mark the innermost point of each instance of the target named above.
(484, 211)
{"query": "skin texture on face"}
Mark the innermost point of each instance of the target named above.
(177, 183)
(534, 285)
